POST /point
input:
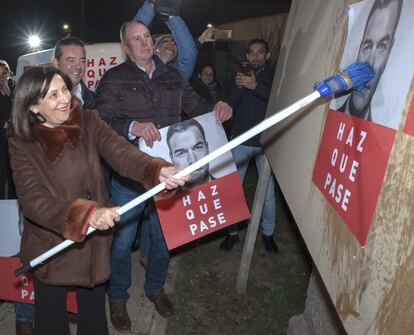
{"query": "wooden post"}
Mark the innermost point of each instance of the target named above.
(248, 249)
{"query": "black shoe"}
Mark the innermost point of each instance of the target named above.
(24, 328)
(229, 242)
(119, 317)
(163, 304)
(269, 244)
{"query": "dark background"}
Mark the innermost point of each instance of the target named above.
(99, 21)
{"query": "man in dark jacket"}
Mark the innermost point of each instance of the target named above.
(137, 98)
(249, 97)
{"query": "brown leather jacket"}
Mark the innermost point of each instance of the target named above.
(59, 179)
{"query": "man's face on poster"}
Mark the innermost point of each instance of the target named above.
(375, 49)
(187, 147)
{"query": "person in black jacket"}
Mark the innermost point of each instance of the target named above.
(7, 190)
(249, 97)
(205, 84)
(137, 98)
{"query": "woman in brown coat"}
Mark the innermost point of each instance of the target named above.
(55, 156)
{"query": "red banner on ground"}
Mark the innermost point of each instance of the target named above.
(409, 122)
(202, 210)
(20, 288)
(350, 167)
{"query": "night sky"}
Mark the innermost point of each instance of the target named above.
(103, 18)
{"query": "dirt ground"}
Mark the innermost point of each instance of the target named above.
(205, 294)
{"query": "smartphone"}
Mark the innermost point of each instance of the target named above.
(246, 68)
(223, 34)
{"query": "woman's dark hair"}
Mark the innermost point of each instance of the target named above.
(201, 68)
(32, 86)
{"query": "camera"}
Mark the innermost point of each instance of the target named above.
(246, 68)
(223, 34)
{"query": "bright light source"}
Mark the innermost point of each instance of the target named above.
(34, 41)
(66, 26)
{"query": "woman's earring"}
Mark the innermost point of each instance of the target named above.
(40, 118)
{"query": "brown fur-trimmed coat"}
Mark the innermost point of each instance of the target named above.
(59, 179)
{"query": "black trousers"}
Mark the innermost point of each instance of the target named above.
(51, 317)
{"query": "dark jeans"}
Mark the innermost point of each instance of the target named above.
(154, 248)
(51, 317)
(123, 191)
(242, 155)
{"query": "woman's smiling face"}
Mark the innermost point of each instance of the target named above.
(55, 106)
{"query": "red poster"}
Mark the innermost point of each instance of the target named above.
(350, 167)
(20, 288)
(202, 210)
(409, 123)
(356, 143)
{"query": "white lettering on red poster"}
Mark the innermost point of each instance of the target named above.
(96, 68)
(342, 164)
(21, 288)
(202, 210)
(350, 167)
(209, 206)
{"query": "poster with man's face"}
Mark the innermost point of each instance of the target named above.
(360, 126)
(186, 142)
(379, 33)
(213, 198)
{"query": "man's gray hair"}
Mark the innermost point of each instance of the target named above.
(122, 31)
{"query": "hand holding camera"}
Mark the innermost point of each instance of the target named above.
(212, 34)
(246, 77)
(207, 35)
(246, 68)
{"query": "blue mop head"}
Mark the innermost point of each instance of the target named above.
(355, 76)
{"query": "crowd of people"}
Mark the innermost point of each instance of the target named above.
(53, 122)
